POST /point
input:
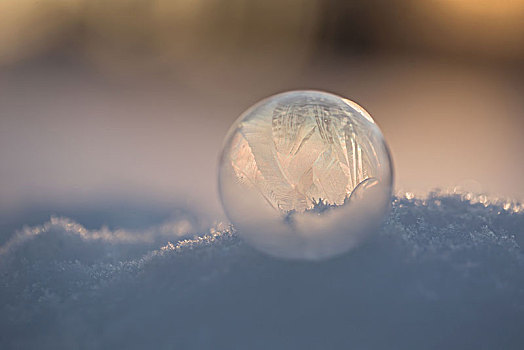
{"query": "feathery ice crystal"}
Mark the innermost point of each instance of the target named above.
(305, 174)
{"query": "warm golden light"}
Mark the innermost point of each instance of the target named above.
(483, 9)
(474, 28)
(28, 27)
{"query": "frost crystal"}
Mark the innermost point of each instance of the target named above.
(316, 153)
(294, 153)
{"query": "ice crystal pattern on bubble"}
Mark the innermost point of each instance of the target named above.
(317, 154)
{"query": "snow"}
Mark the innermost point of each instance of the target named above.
(445, 271)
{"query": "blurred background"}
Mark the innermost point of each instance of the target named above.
(122, 105)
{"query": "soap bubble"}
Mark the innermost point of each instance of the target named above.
(305, 175)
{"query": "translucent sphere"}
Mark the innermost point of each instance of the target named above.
(305, 175)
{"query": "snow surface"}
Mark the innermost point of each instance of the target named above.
(445, 272)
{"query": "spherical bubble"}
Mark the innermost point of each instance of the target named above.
(305, 175)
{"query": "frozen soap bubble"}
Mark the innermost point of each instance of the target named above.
(305, 175)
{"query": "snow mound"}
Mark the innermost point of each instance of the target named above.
(446, 271)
